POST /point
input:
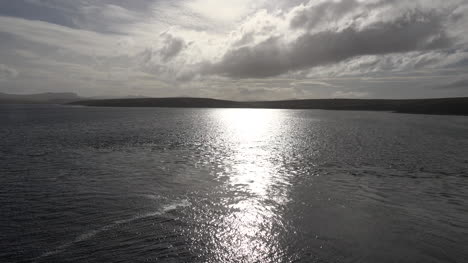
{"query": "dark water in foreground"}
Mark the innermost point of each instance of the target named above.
(231, 185)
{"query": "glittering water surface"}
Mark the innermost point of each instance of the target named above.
(231, 185)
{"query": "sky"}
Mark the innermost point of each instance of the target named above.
(239, 50)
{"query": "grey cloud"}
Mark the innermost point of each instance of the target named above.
(172, 47)
(329, 11)
(246, 39)
(459, 84)
(413, 31)
(97, 15)
(7, 72)
(403, 55)
(263, 60)
(310, 16)
(43, 10)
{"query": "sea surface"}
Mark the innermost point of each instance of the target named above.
(85, 184)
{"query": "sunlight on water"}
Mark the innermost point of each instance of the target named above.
(248, 126)
(231, 185)
(250, 132)
(246, 233)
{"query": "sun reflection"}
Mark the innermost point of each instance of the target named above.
(246, 232)
(251, 133)
(248, 125)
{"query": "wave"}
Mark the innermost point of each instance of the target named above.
(90, 234)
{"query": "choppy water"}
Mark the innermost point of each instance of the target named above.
(231, 185)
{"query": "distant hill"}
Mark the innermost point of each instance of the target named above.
(446, 106)
(40, 98)
(183, 102)
(52, 98)
(114, 97)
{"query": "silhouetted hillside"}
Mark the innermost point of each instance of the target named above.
(449, 106)
(162, 102)
(51, 98)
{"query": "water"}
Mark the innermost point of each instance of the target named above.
(231, 185)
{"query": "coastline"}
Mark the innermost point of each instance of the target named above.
(439, 106)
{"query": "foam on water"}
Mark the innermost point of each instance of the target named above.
(90, 234)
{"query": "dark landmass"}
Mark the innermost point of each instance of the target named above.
(444, 106)
(40, 98)
(52, 98)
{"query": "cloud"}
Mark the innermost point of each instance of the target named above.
(412, 31)
(309, 16)
(172, 47)
(349, 94)
(79, 41)
(96, 15)
(459, 84)
(223, 11)
(7, 73)
(247, 50)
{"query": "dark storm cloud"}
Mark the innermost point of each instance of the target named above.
(414, 31)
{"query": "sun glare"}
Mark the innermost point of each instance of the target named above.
(221, 10)
(254, 173)
(248, 125)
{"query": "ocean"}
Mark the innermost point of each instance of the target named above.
(90, 184)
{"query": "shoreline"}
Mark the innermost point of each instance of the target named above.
(439, 106)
